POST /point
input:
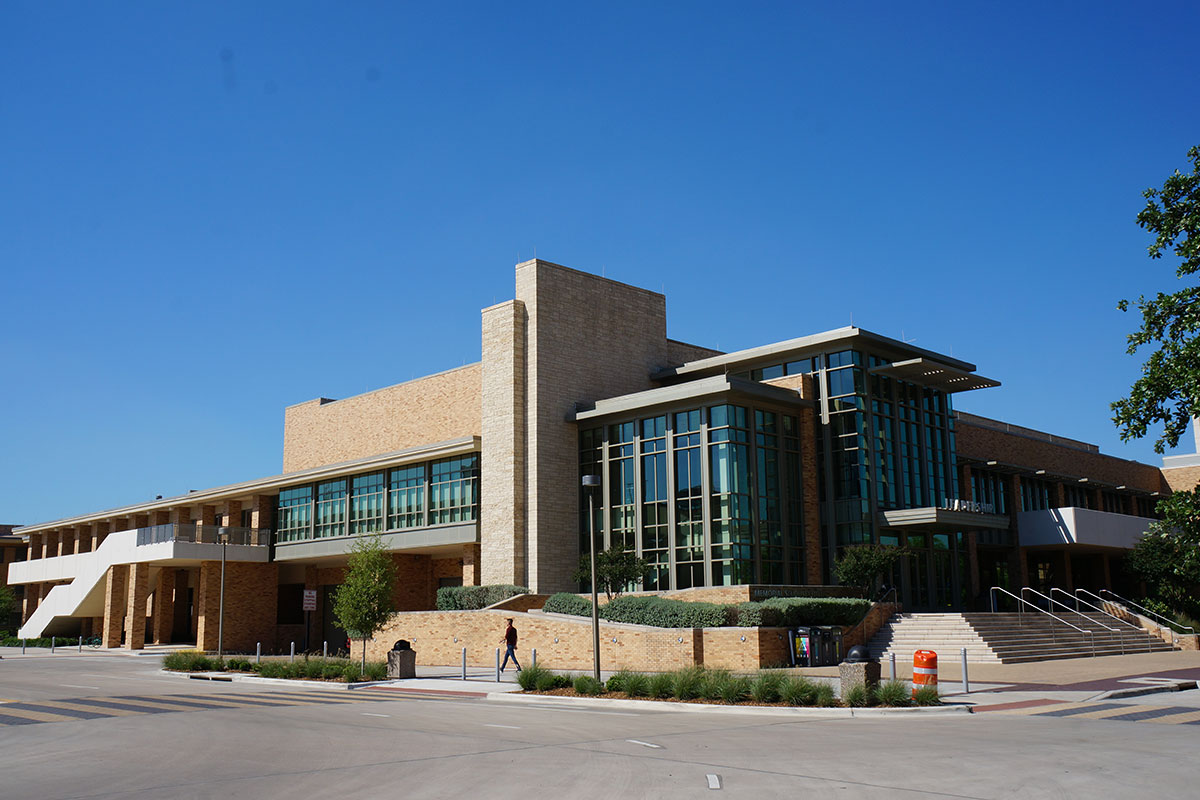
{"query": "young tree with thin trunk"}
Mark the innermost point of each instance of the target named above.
(363, 603)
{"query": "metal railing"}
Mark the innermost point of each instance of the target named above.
(1114, 617)
(203, 534)
(1173, 626)
(1021, 601)
(1086, 621)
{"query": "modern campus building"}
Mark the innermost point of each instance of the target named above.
(753, 467)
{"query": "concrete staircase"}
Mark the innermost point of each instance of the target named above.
(1010, 638)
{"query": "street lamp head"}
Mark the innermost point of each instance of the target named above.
(591, 480)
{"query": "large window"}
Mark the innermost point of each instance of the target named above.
(406, 501)
(689, 502)
(366, 503)
(729, 467)
(294, 516)
(331, 509)
(454, 490)
(655, 520)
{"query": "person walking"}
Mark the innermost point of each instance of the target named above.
(510, 643)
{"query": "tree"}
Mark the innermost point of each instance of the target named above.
(7, 601)
(616, 568)
(1168, 392)
(363, 603)
(862, 566)
(1167, 558)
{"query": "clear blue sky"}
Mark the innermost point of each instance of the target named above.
(209, 213)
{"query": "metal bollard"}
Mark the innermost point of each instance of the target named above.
(464, 664)
(497, 665)
(892, 664)
(22, 645)
(51, 644)
(292, 655)
(81, 644)
(966, 680)
(258, 653)
(535, 656)
(325, 650)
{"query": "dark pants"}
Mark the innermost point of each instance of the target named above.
(511, 652)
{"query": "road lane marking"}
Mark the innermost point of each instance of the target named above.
(714, 781)
(78, 686)
(369, 714)
(491, 725)
(644, 744)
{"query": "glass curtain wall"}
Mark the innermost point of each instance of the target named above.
(708, 496)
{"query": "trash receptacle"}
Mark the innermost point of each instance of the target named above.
(402, 661)
(800, 647)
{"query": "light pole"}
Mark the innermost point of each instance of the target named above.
(590, 483)
(224, 537)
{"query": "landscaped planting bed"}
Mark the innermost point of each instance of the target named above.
(306, 669)
(663, 612)
(700, 685)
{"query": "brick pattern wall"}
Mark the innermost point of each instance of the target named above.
(502, 532)
(1182, 479)
(427, 410)
(586, 338)
(977, 442)
(251, 594)
(565, 642)
(679, 353)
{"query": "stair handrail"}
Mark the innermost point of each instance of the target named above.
(1052, 601)
(1023, 601)
(1139, 628)
(1171, 624)
(1120, 632)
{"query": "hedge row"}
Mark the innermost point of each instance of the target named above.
(469, 598)
(329, 669)
(661, 612)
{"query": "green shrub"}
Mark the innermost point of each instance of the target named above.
(664, 613)
(187, 661)
(352, 673)
(376, 670)
(661, 685)
(736, 689)
(586, 684)
(466, 598)
(825, 696)
(756, 615)
(527, 678)
(797, 611)
(15, 641)
(927, 696)
(893, 694)
(798, 691)
(765, 688)
(333, 670)
(567, 603)
(314, 668)
(687, 683)
(547, 681)
(858, 696)
(272, 669)
(713, 683)
(637, 684)
(238, 665)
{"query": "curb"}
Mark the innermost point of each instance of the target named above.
(1116, 694)
(653, 705)
(235, 677)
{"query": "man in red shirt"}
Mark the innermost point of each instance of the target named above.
(510, 642)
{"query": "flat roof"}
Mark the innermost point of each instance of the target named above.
(450, 447)
(681, 392)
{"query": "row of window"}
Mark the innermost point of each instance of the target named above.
(433, 493)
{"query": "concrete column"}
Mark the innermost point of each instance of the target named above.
(164, 605)
(83, 539)
(135, 606)
(208, 605)
(115, 598)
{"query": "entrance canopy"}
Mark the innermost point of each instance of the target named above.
(942, 520)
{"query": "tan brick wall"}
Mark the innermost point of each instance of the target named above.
(251, 596)
(1182, 479)
(565, 642)
(586, 338)
(502, 532)
(681, 352)
(424, 411)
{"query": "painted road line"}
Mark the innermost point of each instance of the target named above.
(77, 686)
(116, 703)
(1185, 717)
(369, 714)
(1116, 713)
(48, 707)
(493, 725)
(1083, 708)
(714, 781)
(36, 716)
(111, 709)
(8, 719)
(1140, 713)
(644, 744)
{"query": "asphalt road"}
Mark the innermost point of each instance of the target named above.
(202, 740)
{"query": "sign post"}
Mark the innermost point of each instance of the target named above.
(310, 605)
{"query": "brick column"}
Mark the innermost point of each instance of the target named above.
(33, 596)
(470, 564)
(35, 546)
(49, 544)
(66, 541)
(262, 511)
(1068, 578)
(809, 431)
(164, 605)
(135, 606)
(1059, 495)
(83, 539)
(233, 514)
(208, 594)
(139, 521)
(176, 516)
(114, 604)
(99, 532)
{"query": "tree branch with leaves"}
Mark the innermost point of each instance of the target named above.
(363, 603)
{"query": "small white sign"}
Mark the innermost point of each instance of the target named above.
(310, 599)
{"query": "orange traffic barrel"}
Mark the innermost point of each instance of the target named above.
(924, 670)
